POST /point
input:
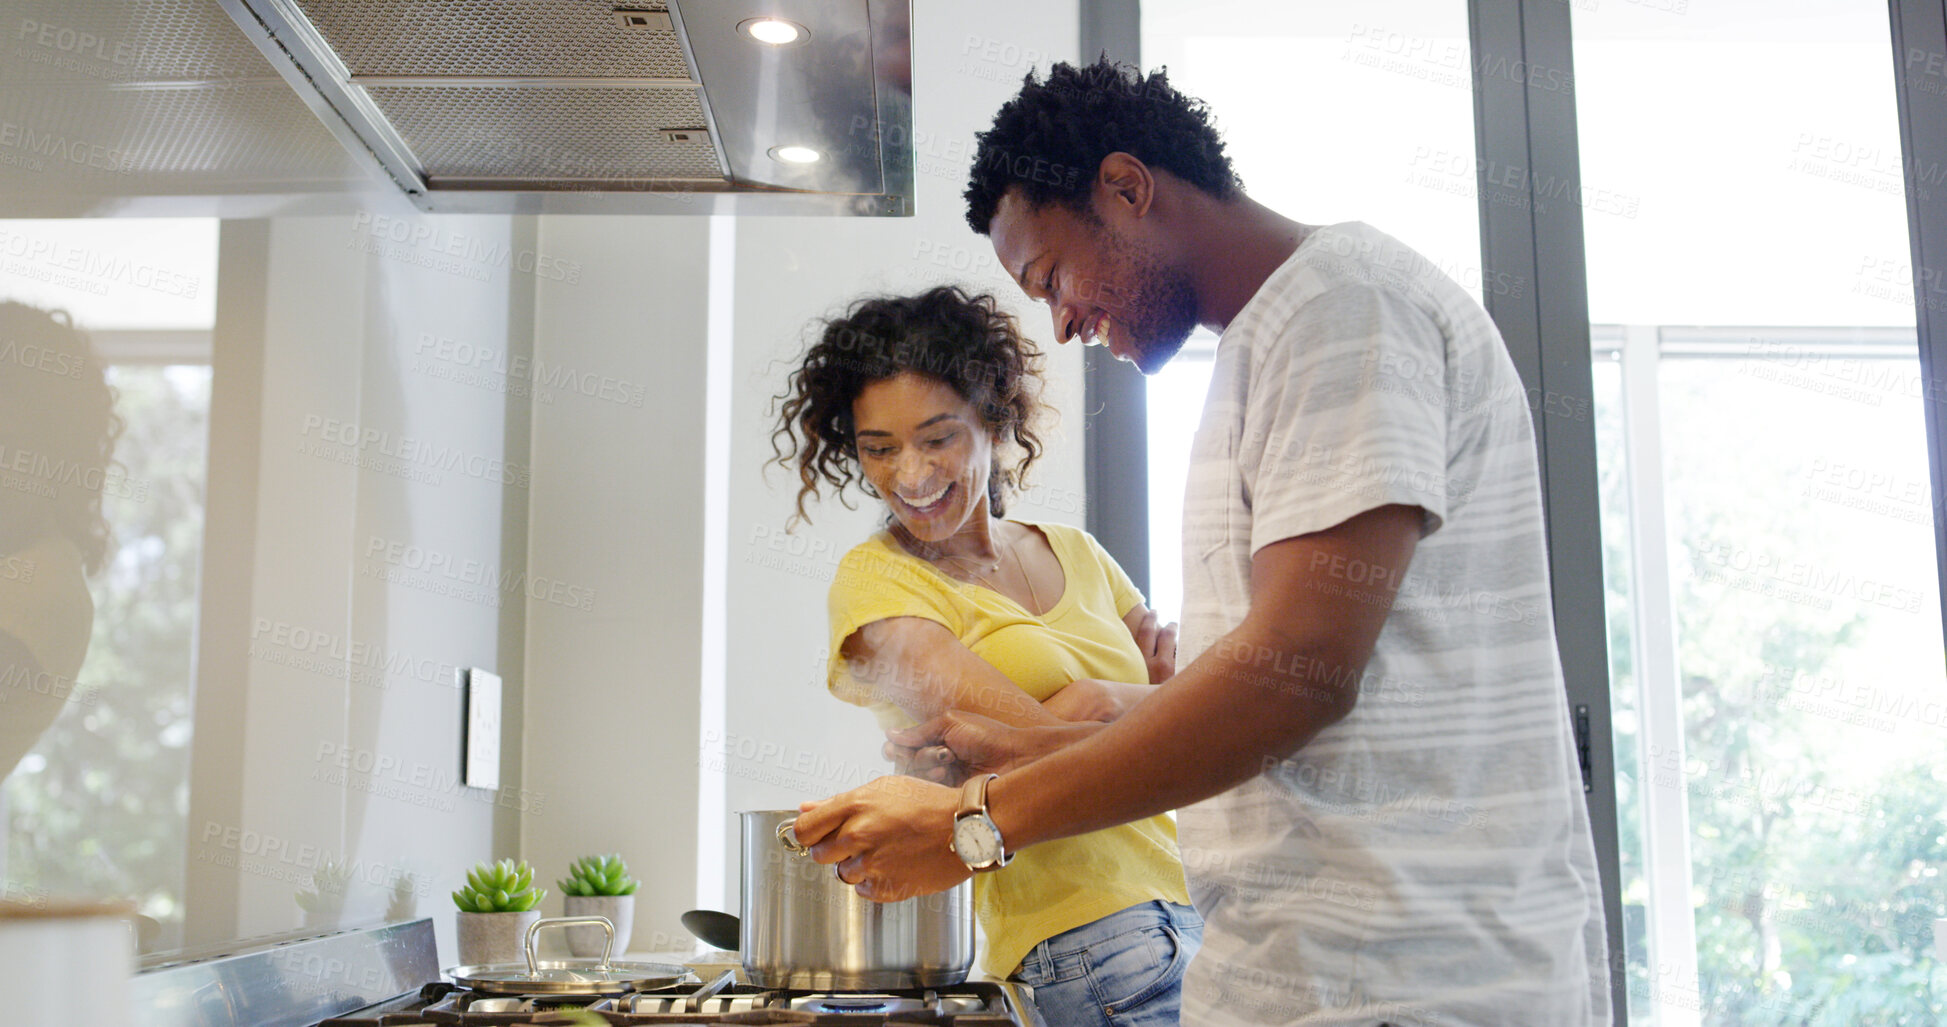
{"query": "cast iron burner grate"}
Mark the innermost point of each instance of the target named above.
(974, 1004)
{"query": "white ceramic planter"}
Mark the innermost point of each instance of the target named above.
(67, 964)
(494, 937)
(587, 941)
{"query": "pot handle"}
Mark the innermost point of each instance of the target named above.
(608, 941)
(787, 833)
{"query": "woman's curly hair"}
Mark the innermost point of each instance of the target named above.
(1050, 139)
(964, 340)
(55, 403)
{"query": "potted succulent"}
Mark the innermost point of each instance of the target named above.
(599, 886)
(496, 907)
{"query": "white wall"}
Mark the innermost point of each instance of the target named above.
(381, 479)
(617, 515)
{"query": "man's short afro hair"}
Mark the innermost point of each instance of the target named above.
(1050, 139)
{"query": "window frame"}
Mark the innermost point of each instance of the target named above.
(1524, 124)
(153, 347)
(1920, 28)
(1115, 466)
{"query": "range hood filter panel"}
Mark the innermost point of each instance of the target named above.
(494, 39)
(572, 134)
(251, 134)
(146, 41)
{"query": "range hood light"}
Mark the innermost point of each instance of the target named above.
(796, 154)
(774, 31)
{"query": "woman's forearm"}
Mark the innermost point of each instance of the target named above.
(924, 670)
(1010, 704)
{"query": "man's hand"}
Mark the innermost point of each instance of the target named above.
(956, 745)
(978, 744)
(934, 763)
(1156, 640)
(892, 838)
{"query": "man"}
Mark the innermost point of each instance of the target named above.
(1369, 741)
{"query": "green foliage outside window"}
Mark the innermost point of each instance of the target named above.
(100, 807)
(1814, 880)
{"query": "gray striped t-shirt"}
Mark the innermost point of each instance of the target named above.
(1428, 858)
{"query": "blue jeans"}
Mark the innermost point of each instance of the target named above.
(1123, 970)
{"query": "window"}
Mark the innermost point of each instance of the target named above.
(1775, 665)
(99, 805)
(1774, 618)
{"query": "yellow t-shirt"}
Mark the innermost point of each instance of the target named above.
(1055, 886)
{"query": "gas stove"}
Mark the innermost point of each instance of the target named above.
(973, 1004)
(342, 979)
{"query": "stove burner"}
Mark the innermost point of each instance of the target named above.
(857, 1004)
(931, 1002)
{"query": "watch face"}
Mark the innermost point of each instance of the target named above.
(976, 841)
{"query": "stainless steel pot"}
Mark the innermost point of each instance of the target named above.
(802, 927)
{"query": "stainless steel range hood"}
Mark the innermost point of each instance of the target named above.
(465, 106)
(564, 106)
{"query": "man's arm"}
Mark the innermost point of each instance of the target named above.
(918, 750)
(1290, 670)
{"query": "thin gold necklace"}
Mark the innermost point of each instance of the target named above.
(931, 555)
(1014, 550)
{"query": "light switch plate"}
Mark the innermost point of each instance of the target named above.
(480, 752)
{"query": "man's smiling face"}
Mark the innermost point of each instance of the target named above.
(1102, 282)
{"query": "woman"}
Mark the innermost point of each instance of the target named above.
(928, 403)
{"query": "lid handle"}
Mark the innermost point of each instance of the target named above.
(608, 940)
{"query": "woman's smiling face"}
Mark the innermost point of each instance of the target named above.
(925, 451)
